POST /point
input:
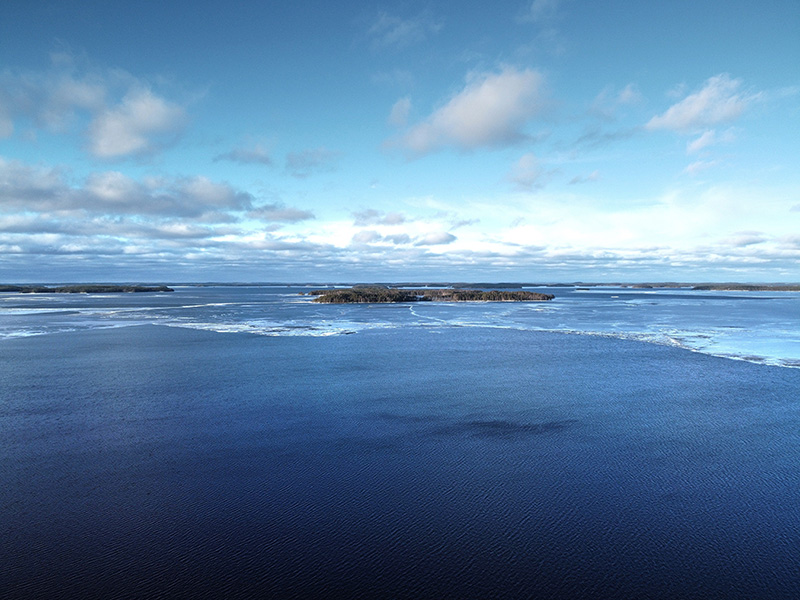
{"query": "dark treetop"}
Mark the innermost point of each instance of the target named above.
(383, 295)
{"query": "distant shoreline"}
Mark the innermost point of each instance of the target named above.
(83, 289)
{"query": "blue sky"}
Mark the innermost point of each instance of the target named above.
(536, 140)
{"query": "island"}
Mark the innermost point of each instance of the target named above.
(393, 295)
(83, 289)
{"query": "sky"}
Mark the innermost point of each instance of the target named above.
(519, 140)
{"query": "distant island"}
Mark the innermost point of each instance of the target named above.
(83, 289)
(392, 295)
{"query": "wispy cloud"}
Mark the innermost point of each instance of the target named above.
(720, 100)
(544, 15)
(541, 11)
(709, 138)
(527, 173)
(255, 155)
(392, 31)
(491, 110)
(609, 101)
(306, 162)
(280, 213)
(595, 137)
(593, 176)
(371, 216)
(398, 116)
(700, 166)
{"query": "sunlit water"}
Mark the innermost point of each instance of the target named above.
(237, 442)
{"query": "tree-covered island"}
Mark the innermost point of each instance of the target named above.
(83, 289)
(392, 295)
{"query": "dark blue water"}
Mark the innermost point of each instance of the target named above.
(426, 461)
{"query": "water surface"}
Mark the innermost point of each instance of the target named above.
(229, 442)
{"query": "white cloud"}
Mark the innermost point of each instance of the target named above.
(134, 126)
(719, 101)
(492, 110)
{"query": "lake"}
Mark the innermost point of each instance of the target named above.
(245, 442)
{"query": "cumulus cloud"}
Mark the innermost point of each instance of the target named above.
(256, 155)
(393, 31)
(303, 164)
(492, 110)
(135, 126)
(720, 100)
(126, 116)
(377, 217)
